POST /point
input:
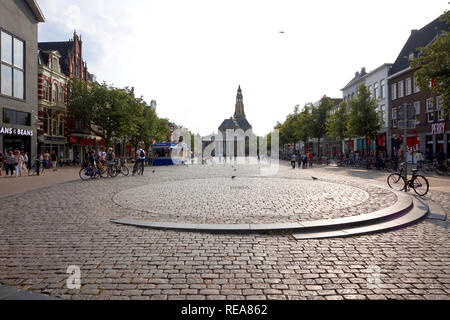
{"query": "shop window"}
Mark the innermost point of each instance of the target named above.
(16, 117)
(12, 81)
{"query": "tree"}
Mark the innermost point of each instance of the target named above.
(364, 120)
(434, 65)
(303, 125)
(104, 110)
(337, 123)
(319, 119)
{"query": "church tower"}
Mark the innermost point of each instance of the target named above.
(239, 109)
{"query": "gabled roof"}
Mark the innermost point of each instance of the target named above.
(418, 38)
(36, 10)
(62, 47)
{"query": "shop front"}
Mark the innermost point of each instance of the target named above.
(79, 147)
(16, 139)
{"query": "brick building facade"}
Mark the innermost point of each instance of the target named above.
(431, 132)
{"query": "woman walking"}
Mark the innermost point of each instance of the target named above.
(18, 164)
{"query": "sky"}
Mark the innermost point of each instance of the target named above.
(191, 56)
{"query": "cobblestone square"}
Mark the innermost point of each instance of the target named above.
(45, 230)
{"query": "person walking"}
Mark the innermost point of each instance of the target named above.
(293, 160)
(9, 163)
(141, 158)
(2, 159)
(46, 157)
(18, 164)
(25, 161)
(54, 159)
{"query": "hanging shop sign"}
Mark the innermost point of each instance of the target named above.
(438, 128)
(16, 132)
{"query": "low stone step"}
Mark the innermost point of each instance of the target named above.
(436, 211)
(417, 212)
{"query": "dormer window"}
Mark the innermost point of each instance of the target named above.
(55, 64)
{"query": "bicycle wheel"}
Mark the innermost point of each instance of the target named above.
(420, 185)
(396, 181)
(114, 171)
(85, 174)
(124, 170)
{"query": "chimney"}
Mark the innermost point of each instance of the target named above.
(413, 31)
(363, 71)
(356, 74)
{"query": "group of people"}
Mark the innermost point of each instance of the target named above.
(13, 162)
(102, 158)
(303, 161)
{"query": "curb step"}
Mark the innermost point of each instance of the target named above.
(417, 212)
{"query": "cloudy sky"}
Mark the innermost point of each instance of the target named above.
(191, 56)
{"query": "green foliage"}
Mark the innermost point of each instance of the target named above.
(115, 113)
(434, 65)
(319, 118)
(337, 123)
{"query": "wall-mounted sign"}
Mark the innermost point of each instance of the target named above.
(438, 128)
(16, 132)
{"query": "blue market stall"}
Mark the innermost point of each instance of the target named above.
(169, 153)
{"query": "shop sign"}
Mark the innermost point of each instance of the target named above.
(73, 139)
(438, 128)
(16, 132)
(56, 139)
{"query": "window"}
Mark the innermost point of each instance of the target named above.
(55, 64)
(440, 111)
(46, 124)
(16, 117)
(12, 66)
(394, 91)
(61, 94)
(46, 90)
(417, 107)
(430, 110)
(394, 113)
(400, 89)
(55, 125)
(54, 92)
(430, 106)
(382, 89)
(416, 85)
(408, 86)
(376, 93)
(382, 114)
(370, 90)
(61, 125)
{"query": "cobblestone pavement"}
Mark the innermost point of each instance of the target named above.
(44, 231)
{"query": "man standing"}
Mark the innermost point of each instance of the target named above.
(46, 159)
(141, 158)
(54, 160)
(9, 163)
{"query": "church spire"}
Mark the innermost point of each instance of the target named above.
(239, 110)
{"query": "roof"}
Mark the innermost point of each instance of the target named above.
(235, 123)
(62, 47)
(418, 38)
(36, 10)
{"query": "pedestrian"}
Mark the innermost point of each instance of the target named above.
(309, 155)
(18, 163)
(299, 160)
(2, 159)
(38, 163)
(25, 161)
(9, 163)
(141, 158)
(54, 159)
(46, 158)
(293, 160)
(419, 159)
(304, 161)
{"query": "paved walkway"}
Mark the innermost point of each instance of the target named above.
(44, 231)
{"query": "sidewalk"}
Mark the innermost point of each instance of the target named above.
(12, 185)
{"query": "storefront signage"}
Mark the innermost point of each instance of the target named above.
(16, 132)
(438, 128)
(56, 139)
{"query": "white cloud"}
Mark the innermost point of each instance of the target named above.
(191, 55)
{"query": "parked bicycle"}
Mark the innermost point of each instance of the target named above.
(87, 173)
(121, 168)
(399, 181)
